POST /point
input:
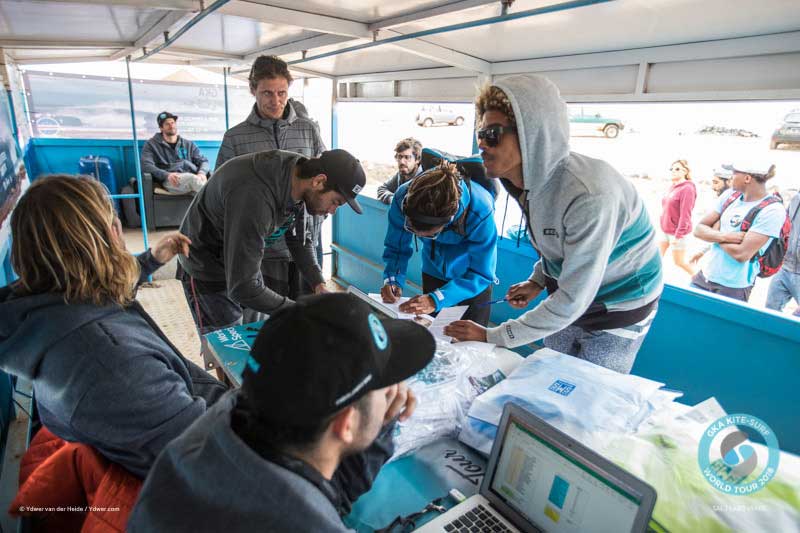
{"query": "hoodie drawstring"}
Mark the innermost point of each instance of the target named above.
(505, 213)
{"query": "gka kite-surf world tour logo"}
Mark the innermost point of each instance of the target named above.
(728, 458)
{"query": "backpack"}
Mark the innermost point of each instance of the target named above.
(769, 263)
(471, 168)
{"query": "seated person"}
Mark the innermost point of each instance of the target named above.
(306, 434)
(174, 162)
(407, 153)
(455, 221)
(102, 371)
(730, 270)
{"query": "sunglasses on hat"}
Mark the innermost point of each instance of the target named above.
(493, 134)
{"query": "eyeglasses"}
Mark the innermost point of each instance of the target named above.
(401, 157)
(493, 133)
(409, 227)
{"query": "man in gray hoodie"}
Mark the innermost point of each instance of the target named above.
(174, 162)
(276, 122)
(251, 202)
(306, 434)
(598, 258)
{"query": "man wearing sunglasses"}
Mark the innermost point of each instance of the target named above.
(455, 222)
(407, 154)
(598, 256)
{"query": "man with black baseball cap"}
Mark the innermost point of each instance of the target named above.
(251, 202)
(174, 162)
(306, 434)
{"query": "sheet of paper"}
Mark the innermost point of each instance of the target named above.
(445, 316)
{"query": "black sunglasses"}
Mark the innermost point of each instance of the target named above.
(493, 133)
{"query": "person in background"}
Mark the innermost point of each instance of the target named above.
(305, 435)
(720, 182)
(103, 372)
(277, 122)
(174, 162)
(730, 270)
(786, 283)
(676, 214)
(597, 247)
(455, 222)
(407, 153)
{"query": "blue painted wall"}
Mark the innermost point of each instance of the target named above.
(705, 346)
(49, 156)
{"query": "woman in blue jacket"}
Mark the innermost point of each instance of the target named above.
(455, 223)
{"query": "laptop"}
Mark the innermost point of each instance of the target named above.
(385, 311)
(540, 479)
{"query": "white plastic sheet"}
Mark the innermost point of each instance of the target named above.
(446, 388)
(577, 397)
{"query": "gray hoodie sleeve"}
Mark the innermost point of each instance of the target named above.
(304, 253)
(147, 265)
(198, 159)
(387, 189)
(131, 415)
(225, 150)
(538, 274)
(592, 229)
(245, 216)
(149, 163)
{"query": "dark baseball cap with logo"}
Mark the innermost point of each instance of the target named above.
(325, 352)
(164, 115)
(345, 173)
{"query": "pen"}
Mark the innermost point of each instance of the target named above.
(484, 304)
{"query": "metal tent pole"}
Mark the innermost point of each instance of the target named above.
(143, 215)
(225, 72)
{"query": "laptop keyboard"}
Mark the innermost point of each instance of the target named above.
(478, 519)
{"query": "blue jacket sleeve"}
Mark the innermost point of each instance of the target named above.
(397, 244)
(481, 248)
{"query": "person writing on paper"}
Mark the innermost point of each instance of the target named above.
(455, 223)
(597, 246)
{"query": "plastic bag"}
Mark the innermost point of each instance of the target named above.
(578, 397)
(445, 390)
(664, 453)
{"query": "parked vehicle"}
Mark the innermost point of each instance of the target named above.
(438, 114)
(581, 124)
(788, 133)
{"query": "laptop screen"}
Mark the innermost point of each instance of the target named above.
(554, 491)
(381, 310)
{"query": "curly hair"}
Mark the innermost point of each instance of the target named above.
(492, 98)
(63, 242)
(268, 67)
(435, 193)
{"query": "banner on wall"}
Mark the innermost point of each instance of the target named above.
(77, 106)
(13, 182)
